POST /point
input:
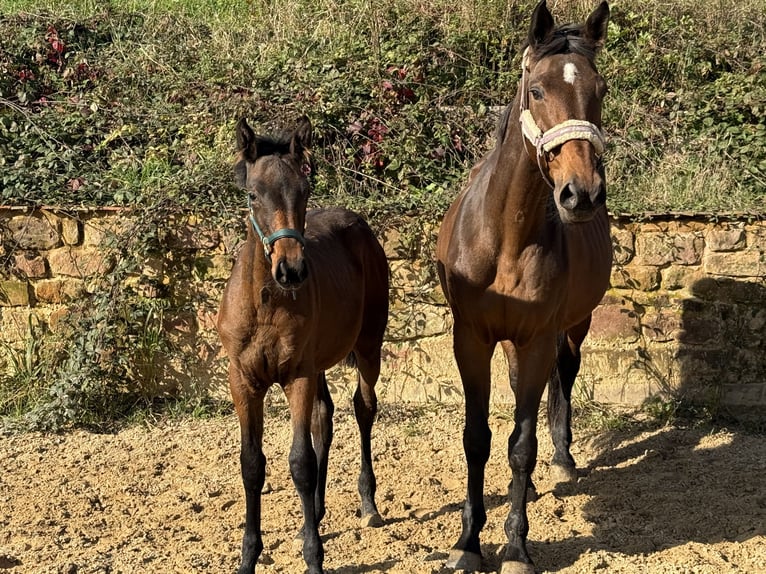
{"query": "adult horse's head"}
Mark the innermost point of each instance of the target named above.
(561, 95)
(274, 172)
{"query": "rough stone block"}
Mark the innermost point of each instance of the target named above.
(748, 263)
(661, 249)
(726, 239)
(415, 320)
(192, 236)
(14, 293)
(70, 230)
(640, 277)
(624, 244)
(33, 266)
(56, 291)
(34, 231)
(613, 323)
(78, 262)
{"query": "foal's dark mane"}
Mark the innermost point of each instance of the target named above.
(275, 144)
(566, 39)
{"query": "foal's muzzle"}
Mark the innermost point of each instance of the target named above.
(290, 275)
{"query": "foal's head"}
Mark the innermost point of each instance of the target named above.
(274, 172)
(563, 91)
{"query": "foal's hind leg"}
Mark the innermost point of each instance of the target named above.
(563, 468)
(301, 393)
(365, 409)
(321, 432)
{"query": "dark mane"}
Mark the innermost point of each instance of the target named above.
(567, 39)
(278, 144)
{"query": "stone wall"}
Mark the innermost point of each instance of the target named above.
(686, 312)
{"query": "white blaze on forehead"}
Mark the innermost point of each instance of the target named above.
(570, 73)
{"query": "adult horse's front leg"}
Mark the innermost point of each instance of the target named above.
(473, 360)
(301, 393)
(563, 468)
(249, 407)
(535, 361)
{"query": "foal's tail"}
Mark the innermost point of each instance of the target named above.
(350, 360)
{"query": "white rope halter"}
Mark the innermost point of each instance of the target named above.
(559, 134)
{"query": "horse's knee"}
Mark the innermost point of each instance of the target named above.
(522, 450)
(253, 467)
(303, 465)
(477, 441)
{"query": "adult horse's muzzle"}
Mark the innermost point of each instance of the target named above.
(578, 202)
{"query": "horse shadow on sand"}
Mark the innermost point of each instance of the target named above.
(655, 486)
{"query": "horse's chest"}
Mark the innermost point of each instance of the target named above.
(269, 356)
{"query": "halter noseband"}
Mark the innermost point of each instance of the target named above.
(559, 134)
(269, 240)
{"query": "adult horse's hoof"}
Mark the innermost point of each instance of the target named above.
(517, 568)
(562, 473)
(372, 521)
(465, 561)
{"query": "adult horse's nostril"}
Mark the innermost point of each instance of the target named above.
(568, 198)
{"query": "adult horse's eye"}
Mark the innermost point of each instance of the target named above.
(537, 93)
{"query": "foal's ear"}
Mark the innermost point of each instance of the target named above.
(246, 141)
(596, 25)
(541, 26)
(301, 141)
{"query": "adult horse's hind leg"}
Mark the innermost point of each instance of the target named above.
(321, 432)
(563, 468)
(301, 393)
(365, 409)
(253, 465)
(473, 359)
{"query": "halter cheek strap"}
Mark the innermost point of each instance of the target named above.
(269, 240)
(546, 141)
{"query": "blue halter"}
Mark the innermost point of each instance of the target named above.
(269, 240)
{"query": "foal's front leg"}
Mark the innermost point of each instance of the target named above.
(249, 408)
(303, 466)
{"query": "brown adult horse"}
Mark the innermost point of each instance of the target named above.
(307, 290)
(524, 255)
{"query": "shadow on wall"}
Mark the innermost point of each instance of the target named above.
(722, 347)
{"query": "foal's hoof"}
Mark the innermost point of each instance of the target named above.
(462, 560)
(372, 521)
(517, 568)
(561, 473)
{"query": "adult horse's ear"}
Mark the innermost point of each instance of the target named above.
(246, 140)
(541, 26)
(301, 136)
(596, 25)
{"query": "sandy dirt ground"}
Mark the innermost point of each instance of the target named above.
(167, 498)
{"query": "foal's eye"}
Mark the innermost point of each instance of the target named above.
(537, 93)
